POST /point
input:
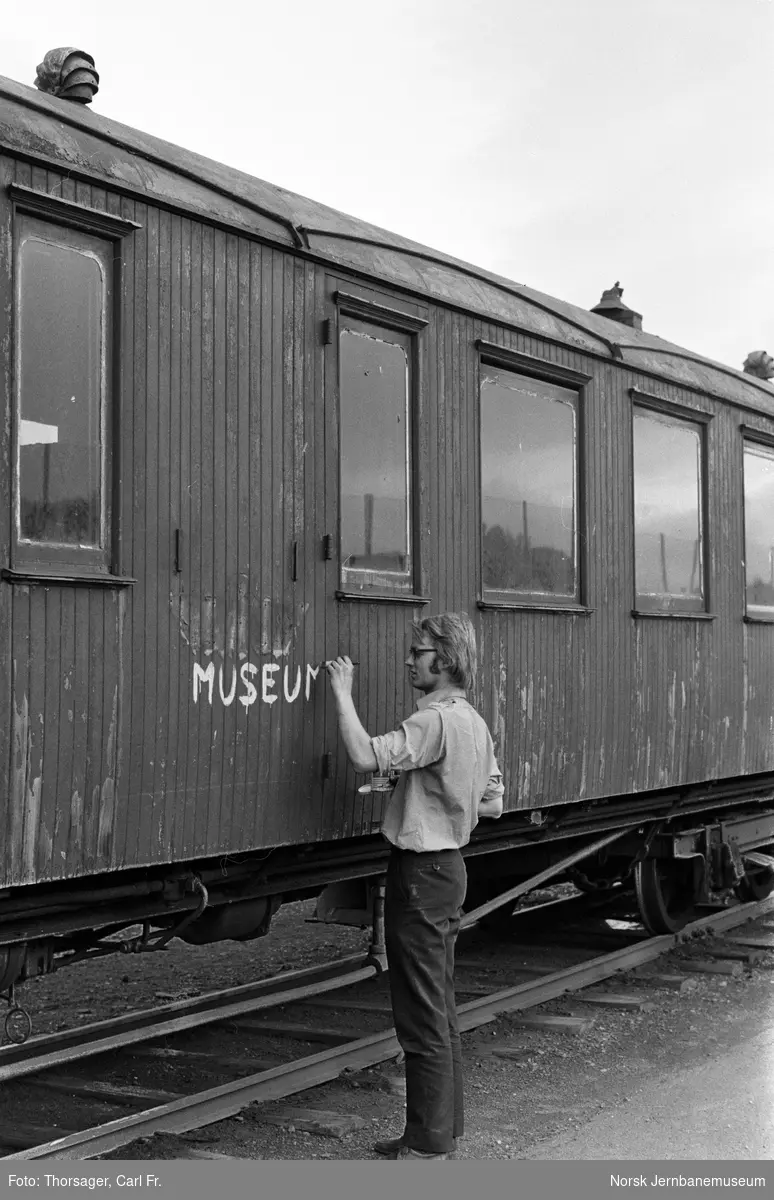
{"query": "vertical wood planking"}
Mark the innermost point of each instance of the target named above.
(334, 613)
(20, 863)
(208, 714)
(199, 717)
(280, 503)
(160, 492)
(97, 729)
(66, 830)
(438, 465)
(182, 631)
(433, 488)
(175, 433)
(266, 489)
(244, 780)
(257, 541)
(313, 640)
(308, 736)
(75, 618)
(218, 511)
(147, 814)
(7, 381)
(40, 814)
(229, 433)
(458, 550)
(135, 427)
(289, 718)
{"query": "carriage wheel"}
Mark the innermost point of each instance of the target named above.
(667, 890)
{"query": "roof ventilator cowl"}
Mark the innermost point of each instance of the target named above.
(612, 306)
(760, 364)
(69, 74)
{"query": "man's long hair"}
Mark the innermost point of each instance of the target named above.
(454, 638)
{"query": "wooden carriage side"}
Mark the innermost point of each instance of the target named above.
(167, 705)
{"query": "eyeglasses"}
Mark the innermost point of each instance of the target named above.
(416, 651)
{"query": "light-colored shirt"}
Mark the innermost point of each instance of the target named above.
(445, 754)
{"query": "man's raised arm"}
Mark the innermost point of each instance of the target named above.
(355, 738)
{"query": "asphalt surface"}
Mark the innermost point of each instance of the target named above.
(723, 1109)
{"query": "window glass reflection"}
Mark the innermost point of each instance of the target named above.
(667, 510)
(759, 528)
(374, 433)
(528, 485)
(62, 298)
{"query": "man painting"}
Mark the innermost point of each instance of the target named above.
(451, 779)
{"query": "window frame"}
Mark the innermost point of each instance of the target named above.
(409, 326)
(542, 371)
(73, 226)
(759, 438)
(645, 605)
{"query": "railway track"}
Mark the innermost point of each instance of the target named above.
(312, 1007)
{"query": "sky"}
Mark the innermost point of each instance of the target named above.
(564, 144)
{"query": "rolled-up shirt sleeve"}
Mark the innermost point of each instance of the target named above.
(494, 789)
(418, 742)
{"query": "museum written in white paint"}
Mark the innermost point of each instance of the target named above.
(204, 683)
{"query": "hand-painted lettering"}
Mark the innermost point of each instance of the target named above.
(200, 676)
(240, 682)
(227, 699)
(311, 674)
(267, 682)
(290, 696)
(251, 693)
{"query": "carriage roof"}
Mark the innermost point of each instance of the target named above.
(89, 145)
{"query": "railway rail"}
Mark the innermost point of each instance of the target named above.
(315, 989)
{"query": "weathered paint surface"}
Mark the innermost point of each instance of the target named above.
(187, 715)
(265, 689)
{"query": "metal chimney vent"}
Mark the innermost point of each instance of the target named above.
(68, 73)
(612, 306)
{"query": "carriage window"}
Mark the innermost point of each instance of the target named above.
(63, 327)
(759, 530)
(375, 463)
(529, 487)
(668, 519)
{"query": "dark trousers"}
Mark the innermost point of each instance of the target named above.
(423, 901)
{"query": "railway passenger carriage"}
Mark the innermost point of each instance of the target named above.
(244, 433)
